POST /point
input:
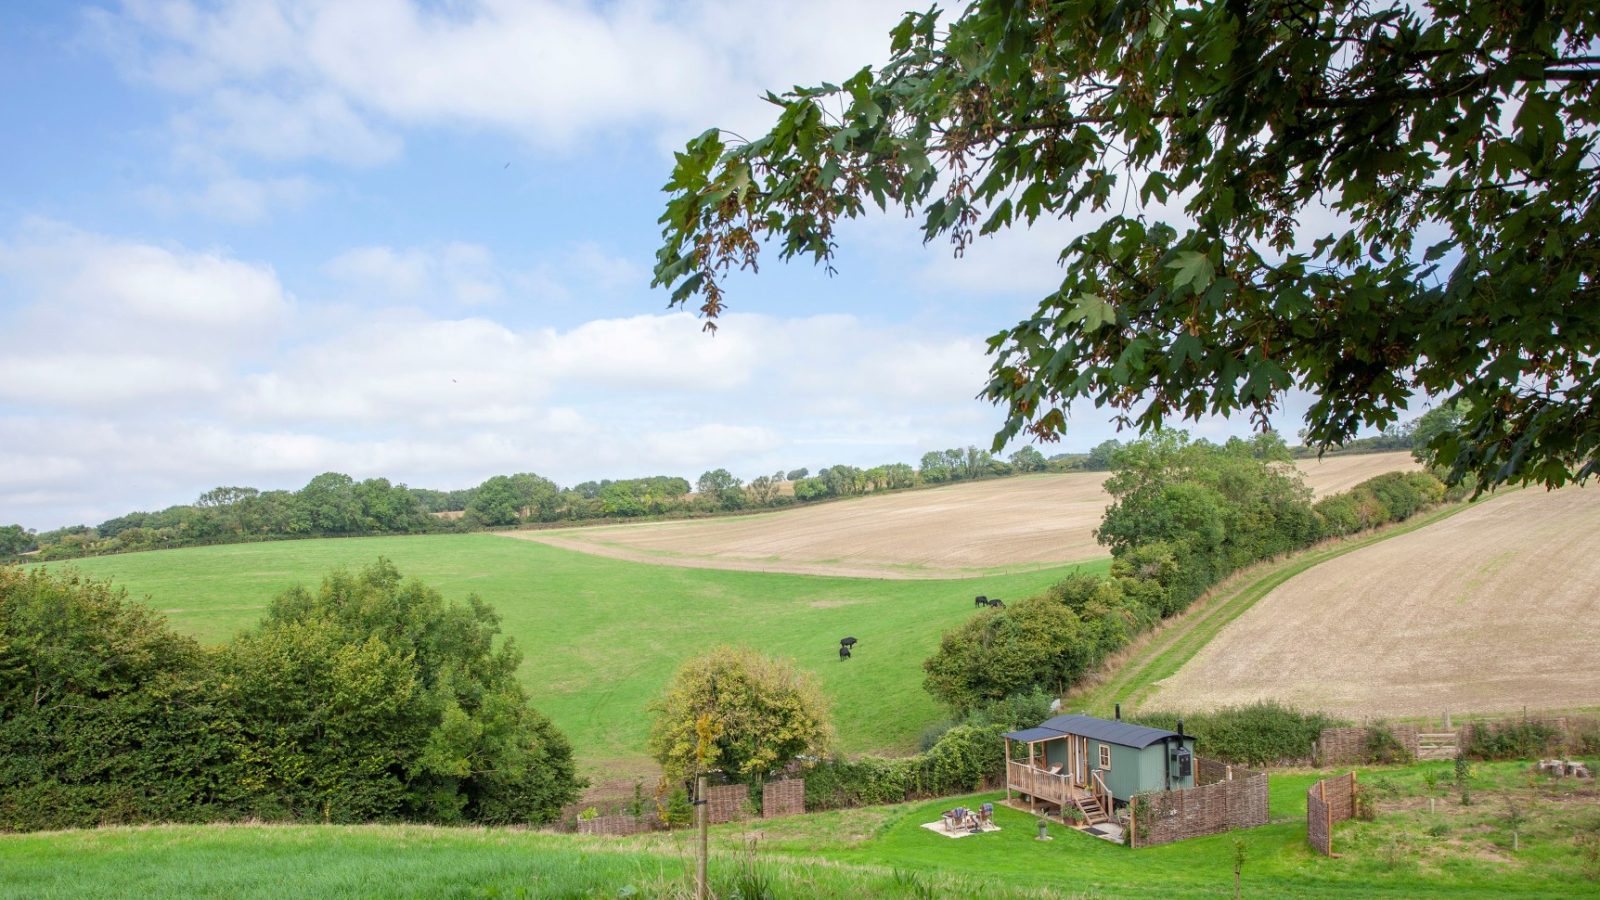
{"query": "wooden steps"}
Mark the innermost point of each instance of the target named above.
(1092, 811)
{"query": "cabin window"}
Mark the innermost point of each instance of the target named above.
(1105, 757)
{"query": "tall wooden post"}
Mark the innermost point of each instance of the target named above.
(702, 887)
(1008, 770)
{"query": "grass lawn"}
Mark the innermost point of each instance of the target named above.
(1409, 851)
(601, 637)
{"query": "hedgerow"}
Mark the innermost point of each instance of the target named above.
(1185, 516)
(370, 699)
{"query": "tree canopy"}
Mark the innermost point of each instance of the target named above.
(1369, 201)
(737, 711)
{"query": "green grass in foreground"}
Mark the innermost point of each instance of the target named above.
(1135, 677)
(1410, 851)
(601, 637)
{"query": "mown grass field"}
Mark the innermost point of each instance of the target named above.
(1409, 851)
(601, 637)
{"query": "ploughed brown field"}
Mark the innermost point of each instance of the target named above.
(956, 531)
(1490, 610)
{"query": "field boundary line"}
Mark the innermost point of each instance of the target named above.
(1177, 642)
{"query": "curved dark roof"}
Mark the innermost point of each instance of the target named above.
(1112, 732)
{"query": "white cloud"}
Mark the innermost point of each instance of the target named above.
(235, 199)
(70, 271)
(468, 275)
(286, 79)
(92, 320)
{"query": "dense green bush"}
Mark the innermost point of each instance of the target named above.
(1383, 747)
(967, 758)
(1513, 740)
(369, 699)
(1257, 734)
(106, 715)
(999, 652)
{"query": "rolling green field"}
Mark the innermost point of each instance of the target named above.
(601, 637)
(1410, 851)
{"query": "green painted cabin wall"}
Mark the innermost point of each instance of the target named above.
(1132, 770)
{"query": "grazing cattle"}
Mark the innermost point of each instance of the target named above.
(980, 600)
(844, 652)
(997, 602)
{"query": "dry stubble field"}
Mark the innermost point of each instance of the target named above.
(948, 532)
(1491, 610)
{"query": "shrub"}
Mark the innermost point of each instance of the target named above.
(106, 715)
(739, 712)
(967, 758)
(373, 698)
(1512, 740)
(1021, 710)
(369, 699)
(1383, 747)
(675, 810)
(999, 652)
(1257, 734)
(840, 783)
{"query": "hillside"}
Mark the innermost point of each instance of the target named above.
(600, 638)
(1489, 610)
(956, 531)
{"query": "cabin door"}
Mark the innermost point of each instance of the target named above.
(1081, 755)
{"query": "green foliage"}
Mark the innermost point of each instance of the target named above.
(1028, 459)
(1365, 803)
(509, 499)
(1383, 747)
(1463, 777)
(107, 716)
(1184, 516)
(15, 540)
(1523, 739)
(1034, 642)
(720, 489)
(1250, 116)
(1256, 734)
(675, 810)
(373, 698)
(369, 699)
(735, 711)
(967, 757)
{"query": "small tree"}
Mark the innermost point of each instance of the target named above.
(746, 714)
(1239, 853)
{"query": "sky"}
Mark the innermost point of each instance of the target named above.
(250, 241)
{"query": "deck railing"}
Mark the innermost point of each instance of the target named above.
(1097, 786)
(1038, 783)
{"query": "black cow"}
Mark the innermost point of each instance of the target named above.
(844, 653)
(998, 603)
(980, 600)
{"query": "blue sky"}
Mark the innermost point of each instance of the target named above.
(250, 241)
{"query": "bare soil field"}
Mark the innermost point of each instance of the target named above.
(957, 531)
(1487, 611)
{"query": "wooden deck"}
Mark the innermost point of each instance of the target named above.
(1040, 785)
